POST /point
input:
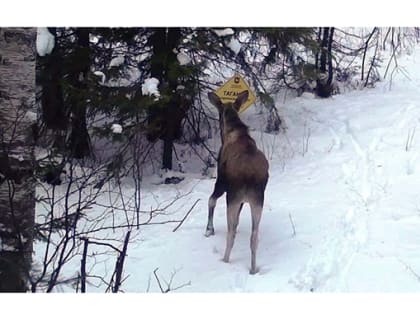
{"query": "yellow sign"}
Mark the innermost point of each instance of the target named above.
(230, 90)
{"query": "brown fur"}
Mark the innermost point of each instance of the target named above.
(242, 172)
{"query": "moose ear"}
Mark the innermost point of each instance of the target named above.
(215, 100)
(242, 98)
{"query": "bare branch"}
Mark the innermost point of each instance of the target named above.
(83, 267)
(293, 225)
(186, 215)
(120, 264)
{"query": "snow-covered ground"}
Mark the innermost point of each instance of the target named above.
(342, 209)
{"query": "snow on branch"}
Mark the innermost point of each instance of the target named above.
(150, 87)
(45, 41)
(224, 32)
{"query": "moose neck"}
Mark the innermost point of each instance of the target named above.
(231, 122)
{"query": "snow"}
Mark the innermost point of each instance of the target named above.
(235, 46)
(100, 74)
(183, 58)
(44, 41)
(341, 210)
(224, 32)
(133, 74)
(31, 116)
(150, 87)
(116, 128)
(18, 157)
(116, 61)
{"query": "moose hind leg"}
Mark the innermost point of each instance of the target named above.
(256, 211)
(218, 191)
(237, 217)
(232, 224)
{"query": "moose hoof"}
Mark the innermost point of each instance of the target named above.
(209, 232)
(226, 260)
(254, 271)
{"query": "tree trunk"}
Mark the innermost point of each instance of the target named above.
(50, 77)
(330, 56)
(325, 76)
(17, 185)
(79, 142)
(319, 34)
(324, 44)
(167, 118)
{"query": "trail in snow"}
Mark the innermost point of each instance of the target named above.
(367, 181)
(328, 267)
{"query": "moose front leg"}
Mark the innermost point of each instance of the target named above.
(218, 191)
(210, 227)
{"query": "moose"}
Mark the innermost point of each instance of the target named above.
(242, 172)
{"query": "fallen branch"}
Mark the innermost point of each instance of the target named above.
(186, 215)
(293, 225)
(158, 281)
(408, 267)
(168, 284)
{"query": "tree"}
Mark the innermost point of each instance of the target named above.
(17, 186)
(62, 77)
(165, 116)
(49, 77)
(77, 96)
(325, 76)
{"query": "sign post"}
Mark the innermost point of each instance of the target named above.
(230, 90)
